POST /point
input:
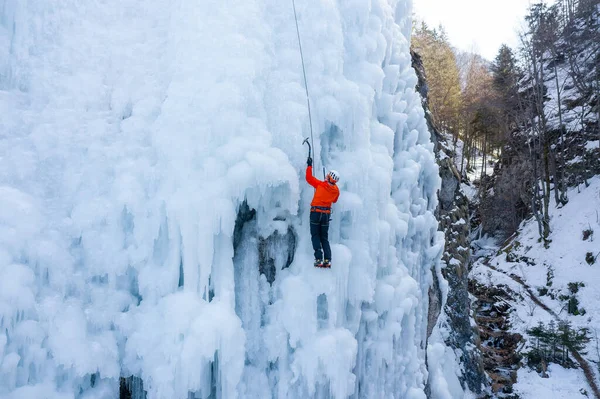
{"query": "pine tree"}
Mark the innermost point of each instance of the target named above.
(553, 343)
(506, 76)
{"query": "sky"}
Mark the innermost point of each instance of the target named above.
(480, 25)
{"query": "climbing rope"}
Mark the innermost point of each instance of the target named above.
(304, 73)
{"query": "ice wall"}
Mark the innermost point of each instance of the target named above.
(154, 217)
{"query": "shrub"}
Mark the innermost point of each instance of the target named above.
(574, 287)
(549, 276)
(572, 301)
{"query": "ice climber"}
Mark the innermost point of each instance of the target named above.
(326, 193)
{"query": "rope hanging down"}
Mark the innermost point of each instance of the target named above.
(304, 73)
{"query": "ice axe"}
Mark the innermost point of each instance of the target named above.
(309, 151)
(309, 147)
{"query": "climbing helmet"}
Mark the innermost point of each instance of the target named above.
(334, 176)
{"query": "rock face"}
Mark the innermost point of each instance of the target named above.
(498, 345)
(453, 215)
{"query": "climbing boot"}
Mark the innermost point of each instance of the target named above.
(326, 264)
(318, 263)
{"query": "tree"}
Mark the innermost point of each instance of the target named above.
(442, 74)
(506, 76)
(553, 343)
(475, 95)
(535, 47)
(582, 49)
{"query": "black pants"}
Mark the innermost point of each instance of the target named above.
(319, 233)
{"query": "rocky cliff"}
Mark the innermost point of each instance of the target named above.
(453, 215)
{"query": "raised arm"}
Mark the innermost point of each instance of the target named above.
(313, 181)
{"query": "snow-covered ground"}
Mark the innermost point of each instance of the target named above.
(592, 145)
(562, 263)
(561, 384)
(571, 118)
(474, 172)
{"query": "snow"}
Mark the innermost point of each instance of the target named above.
(575, 160)
(592, 145)
(572, 119)
(469, 191)
(131, 141)
(561, 384)
(566, 255)
(565, 261)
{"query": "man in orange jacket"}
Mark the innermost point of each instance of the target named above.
(326, 192)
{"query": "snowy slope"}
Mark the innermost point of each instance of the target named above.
(553, 269)
(133, 139)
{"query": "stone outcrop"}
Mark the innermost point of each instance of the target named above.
(453, 215)
(498, 344)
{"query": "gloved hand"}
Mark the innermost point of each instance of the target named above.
(309, 161)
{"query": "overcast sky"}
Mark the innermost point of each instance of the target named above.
(482, 25)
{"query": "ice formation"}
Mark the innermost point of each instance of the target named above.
(154, 216)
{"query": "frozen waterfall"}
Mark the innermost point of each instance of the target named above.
(154, 213)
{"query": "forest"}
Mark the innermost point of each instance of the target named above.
(526, 115)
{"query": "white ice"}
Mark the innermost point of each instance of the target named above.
(134, 133)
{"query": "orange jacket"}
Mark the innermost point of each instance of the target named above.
(325, 194)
